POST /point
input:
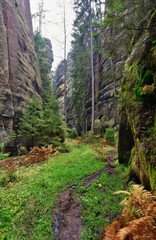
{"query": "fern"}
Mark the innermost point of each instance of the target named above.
(138, 217)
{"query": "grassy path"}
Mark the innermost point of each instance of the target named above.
(27, 203)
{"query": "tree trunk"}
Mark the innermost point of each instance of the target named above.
(92, 71)
(65, 65)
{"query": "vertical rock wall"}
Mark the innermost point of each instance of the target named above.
(19, 72)
(139, 108)
(108, 73)
(59, 79)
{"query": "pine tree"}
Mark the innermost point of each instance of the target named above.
(32, 121)
(41, 120)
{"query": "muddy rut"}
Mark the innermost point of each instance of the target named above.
(67, 214)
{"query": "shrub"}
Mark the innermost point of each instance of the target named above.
(109, 135)
(72, 133)
(90, 137)
(3, 155)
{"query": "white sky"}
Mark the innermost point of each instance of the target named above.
(53, 24)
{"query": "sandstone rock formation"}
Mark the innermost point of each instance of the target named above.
(137, 132)
(49, 57)
(19, 72)
(108, 75)
(59, 79)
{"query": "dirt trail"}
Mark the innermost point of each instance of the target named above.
(67, 215)
(67, 222)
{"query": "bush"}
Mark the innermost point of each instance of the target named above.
(72, 133)
(109, 135)
(90, 138)
(3, 155)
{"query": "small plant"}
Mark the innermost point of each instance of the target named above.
(37, 155)
(90, 138)
(109, 135)
(3, 155)
(72, 133)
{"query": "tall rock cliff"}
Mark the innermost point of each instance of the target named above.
(59, 79)
(108, 73)
(19, 72)
(137, 132)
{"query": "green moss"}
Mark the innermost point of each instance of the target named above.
(152, 174)
(146, 77)
(139, 94)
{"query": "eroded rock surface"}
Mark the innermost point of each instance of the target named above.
(19, 72)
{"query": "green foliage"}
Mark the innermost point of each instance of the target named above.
(99, 205)
(138, 92)
(72, 133)
(31, 122)
(89, 137)
(41, 121)
(4, 155)
(109, 135)
(41, 52)
(146, 77)
(52, 131)
(81, 73)
(144, 89)
(80, 76)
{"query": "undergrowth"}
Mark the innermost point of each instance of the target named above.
(137, 220)
(3, 155)
(26, 204)
(29, 194)
(99, 205)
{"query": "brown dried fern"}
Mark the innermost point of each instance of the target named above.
(138, 218)
(138, 200)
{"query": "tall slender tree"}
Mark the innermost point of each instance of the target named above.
(82, 53)
(65, 61)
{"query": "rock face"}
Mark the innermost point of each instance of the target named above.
(108, 75)
(49, 57)
(19, 72)
(59, 79)
(138, 117)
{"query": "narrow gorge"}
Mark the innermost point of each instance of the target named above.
(19, 70)
(124, 82)
(77, 141)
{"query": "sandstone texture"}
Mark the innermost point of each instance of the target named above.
(60, 86)
(137, 131)
(19, 72)
(108, 75)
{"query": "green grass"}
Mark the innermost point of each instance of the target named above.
(27, 203)
(99, 205)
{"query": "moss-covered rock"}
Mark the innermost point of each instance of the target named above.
(139, 109)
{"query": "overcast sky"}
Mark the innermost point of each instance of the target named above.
(53, 24)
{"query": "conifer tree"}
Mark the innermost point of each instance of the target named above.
(41, 120)
(32, 121)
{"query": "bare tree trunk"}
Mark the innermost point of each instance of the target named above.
(92, 73)
(40, 16)
(65, 63)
